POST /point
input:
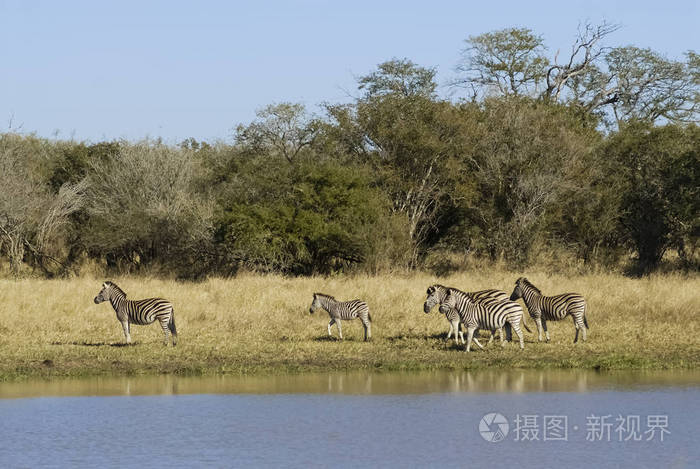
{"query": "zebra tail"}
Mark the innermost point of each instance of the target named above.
(509, 332)
(171, 324)
(369, 316)
(525, 325)
(585, 321)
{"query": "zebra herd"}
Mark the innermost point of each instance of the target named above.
(491, 310)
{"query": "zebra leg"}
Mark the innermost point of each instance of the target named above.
(470, 337)
(580, 327)
(340, 329)
(455, 326)
(538, 323)
(368, 329)
(127, 335)
(166, 331)
(476, 341)
(449, 333)
(173, 329)
(330, 323)
(493, 336)
(546, 332)
(516, 328)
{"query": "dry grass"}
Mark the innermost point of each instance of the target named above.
(261, 324)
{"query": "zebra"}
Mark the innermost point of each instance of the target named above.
(491, 315)
(141, 312)
(436, 294)
(551, 308)
(344, 310)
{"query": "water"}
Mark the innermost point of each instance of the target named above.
(351, 420)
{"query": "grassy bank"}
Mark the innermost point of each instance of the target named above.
(254, 324)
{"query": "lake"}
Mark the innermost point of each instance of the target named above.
(446, 419)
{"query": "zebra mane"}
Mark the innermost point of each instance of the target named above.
(451, 291)
(529, 284)
(115, 287)
(324, 295)
(434, 287)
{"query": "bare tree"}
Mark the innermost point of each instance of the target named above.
(585, 53)
(31, 216)
(143, 205)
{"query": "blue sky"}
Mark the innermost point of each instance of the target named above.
(94, 70)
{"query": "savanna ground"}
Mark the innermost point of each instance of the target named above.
(261, 324)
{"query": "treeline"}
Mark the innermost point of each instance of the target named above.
(594, 162)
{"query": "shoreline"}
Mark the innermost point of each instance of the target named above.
(253, 324)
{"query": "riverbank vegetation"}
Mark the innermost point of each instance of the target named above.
(584, 163)
(261, 324)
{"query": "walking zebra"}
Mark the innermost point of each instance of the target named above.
(344, 310)
(551, 308)
(491, 315)
(436, 294)
(141, 312)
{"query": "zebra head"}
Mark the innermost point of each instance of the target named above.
(104, 294)
(315, 304)
(448, 302)
(435, 295)
(518, 290)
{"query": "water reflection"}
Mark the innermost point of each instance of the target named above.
(513, 381)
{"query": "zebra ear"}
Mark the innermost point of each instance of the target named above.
(104, 285)
(430, 290)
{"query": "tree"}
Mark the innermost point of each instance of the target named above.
(509, 61)
(32, 216)
(399, 77)
(639, 84)
(144, 210)
(525, 156)
(282, 129)
(310, 217)
(585, 54)
(660, 171)
(408, 137)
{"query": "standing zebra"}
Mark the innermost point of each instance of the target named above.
(491, 315)
(139, 312)
(344, 310)
(551, 308)
(436, 294)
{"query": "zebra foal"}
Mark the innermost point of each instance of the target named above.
(551, 308)
(141, 312)
(491, 315)
(345, 310)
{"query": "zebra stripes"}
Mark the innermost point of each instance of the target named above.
(436, 294)
(345, 310)
(551, 308)
(491, 315)
(141, 312)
